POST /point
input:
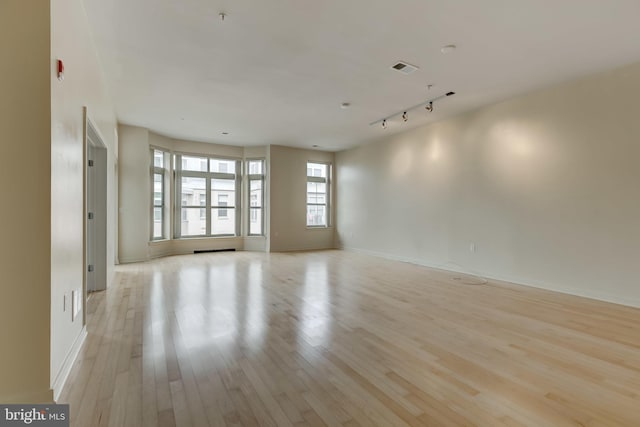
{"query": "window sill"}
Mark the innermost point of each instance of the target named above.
(319, 227)
(182, 239)
(224, 236)
(158, 241)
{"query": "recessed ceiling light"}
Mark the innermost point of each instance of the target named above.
(225, 133)
(315, 145)
(448, 48)
(345, 105)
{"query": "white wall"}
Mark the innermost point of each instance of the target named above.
(544, 185)
(83, 85)
(134, 194)
(25, 249)
(288, 187)
(41, 120)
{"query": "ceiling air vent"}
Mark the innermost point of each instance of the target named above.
(404, 68)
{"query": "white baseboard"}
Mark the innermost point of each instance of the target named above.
(584, 293)
(65, 369)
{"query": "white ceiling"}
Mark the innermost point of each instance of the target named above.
(276, 72)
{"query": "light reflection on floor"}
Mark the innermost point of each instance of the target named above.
(215, 301)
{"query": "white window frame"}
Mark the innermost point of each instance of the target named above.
(164, 172)
(327, 204)
(208, 176)
(261, 178)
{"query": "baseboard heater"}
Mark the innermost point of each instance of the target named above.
(204, 251)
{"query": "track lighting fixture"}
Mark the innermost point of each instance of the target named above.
(428, 105)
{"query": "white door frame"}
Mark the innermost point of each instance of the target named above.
(95, 150)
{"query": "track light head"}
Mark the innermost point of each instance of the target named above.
(384, 124)
(404, 116)
(429, 107)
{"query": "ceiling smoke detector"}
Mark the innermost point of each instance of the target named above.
(404, 67)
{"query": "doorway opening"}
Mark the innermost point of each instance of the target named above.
(95, 218)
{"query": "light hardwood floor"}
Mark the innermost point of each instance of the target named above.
(342, 339)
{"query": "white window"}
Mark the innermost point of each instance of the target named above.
(159, 214)
(256, 197)
(318, 185)
(208, 188)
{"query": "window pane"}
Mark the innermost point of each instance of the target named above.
(158, 194)
(316, 169)
(158, 158)
(223, 200)
(192, 223)
(255, 185)
(223, 166)
(198, 164)
(203, 204)
(255, 221)
(255, 193)
(255, 167)
(223, 190)
(316, 192)
(158, 216)
(316, 215)
(223, 221)
(157, 223)
(193, 189)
